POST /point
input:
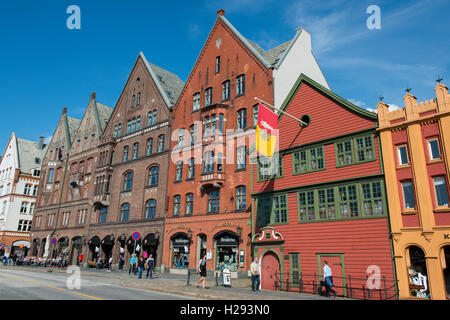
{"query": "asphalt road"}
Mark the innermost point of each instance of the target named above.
(28, 285)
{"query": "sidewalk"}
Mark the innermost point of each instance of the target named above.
(177, 284)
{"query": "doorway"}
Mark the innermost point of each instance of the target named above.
(270, 264)
(446, 250)
(336, 263)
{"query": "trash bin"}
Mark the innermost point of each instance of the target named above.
(226, 278)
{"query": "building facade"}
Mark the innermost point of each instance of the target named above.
(209, 206)
(130, 181)
(322, 198)
(416, 151)
(20, 169)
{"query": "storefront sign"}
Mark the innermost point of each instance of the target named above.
(181, 241)
(227, 241)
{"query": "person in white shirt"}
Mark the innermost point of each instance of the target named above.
(328, 277)
(254, 269)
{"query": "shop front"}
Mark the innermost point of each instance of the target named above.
(180, 244)
(20, 248)
(227, 251)
(94, 248)
(150, 245)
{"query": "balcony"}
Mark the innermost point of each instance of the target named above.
(213, 179)
(101, 200)
(76, 179)
(213, 106)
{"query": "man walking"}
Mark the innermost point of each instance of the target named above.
(328, 279)
(149, 265)
(254, 269)
(132, 264)
(141, 264)
(121, 262)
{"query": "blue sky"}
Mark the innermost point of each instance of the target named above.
(45, 66)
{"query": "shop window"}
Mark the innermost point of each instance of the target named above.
(180, 251)
(227, 246)
(417, 270)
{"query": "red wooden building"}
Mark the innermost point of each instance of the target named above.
(323, 198)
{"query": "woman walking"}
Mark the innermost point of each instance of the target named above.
(202, 271)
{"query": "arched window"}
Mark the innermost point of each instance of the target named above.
(417, 270)
(125, 212)
(150, 209)
(127, 181)
(241, 198)
(125, 154)
(153, 176)
(161, 143)
(135, 150)
(149, 146)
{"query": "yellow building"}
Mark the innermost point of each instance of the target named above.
(415, 144)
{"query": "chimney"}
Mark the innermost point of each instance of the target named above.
(64, 110)
(221, 12)
(41, 143)
(93, 96)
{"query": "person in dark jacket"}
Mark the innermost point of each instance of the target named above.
(149, 265)
(202, 271)
(141, 264)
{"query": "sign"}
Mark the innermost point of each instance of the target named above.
(180, 241)
(136, 236)
(266, 131)
(227, 240)
(241, 258)
(54, 240)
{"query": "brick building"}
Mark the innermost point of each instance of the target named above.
(416, 154)
(209, 186)
(67, 184)
(130, 180)
(322, 198)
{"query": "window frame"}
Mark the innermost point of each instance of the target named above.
(430, 150)
(436, 197)
(308, 162)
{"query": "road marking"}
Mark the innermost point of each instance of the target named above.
(29, 281)
(86, 295)
(57, 288)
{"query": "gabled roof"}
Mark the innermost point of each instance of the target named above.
(327, 92)
(168, 83)
(102, 113)
(27, 152)
(72, 126)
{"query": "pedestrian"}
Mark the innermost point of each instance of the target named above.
(121, 262)
(140, 265)
(110, 262)
(149, 265)
(132, 264)
(254, 269)
(202, 270)
(327, 275)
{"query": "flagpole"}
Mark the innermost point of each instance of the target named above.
(301, 122)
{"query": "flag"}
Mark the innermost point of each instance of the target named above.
(266, 131)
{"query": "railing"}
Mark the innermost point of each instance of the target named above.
(352, 287)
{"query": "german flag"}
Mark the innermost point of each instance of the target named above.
(266, 131)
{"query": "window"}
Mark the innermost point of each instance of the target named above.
(221, 123)
(208, 96)
(193, 134)
(372, 199)
(327, 208)
(176, 205)
(242, 119)
(433, 147)
(133, 125)
(132, 101)
(161, 143)
(65, 218)
(32, 205)
(308, 160)
(119, 129)
(81, 216)
(294, 270)
(135, 150)
(217, 64)
(240, 85)
(272, 210)
(125, 212)
(23, 207)
(270, 168)
(179, 171)
(348, 201)
(355, 150)
(219, 162)
(306, 204)
(138, 99)
(241, 198)
(191, 168)
(181, 137)
(213, 125)
(196, 105)
(208, 162)
(51, 220)
(207, 125)
(50, 175)
(125, 154)
(153, 176)
(27, 189)
(102, 215)
(115, 136)
(408, 195)
(189, 204)
(128, 126)
(441, 190)
(214, 201)
(149, 146)
(154, 116)
(241, 158)
(255, 115)
(150, 209)
(138, 123)
(127, 181)
(226, 90)
(402, 155)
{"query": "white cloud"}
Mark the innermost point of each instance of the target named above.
(393, 107)
(360, 104)
(372, 110)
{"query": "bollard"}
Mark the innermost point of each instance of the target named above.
(188, 277)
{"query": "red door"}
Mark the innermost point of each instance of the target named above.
(269, 266)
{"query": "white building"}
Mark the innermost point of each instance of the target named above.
(20, 169)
